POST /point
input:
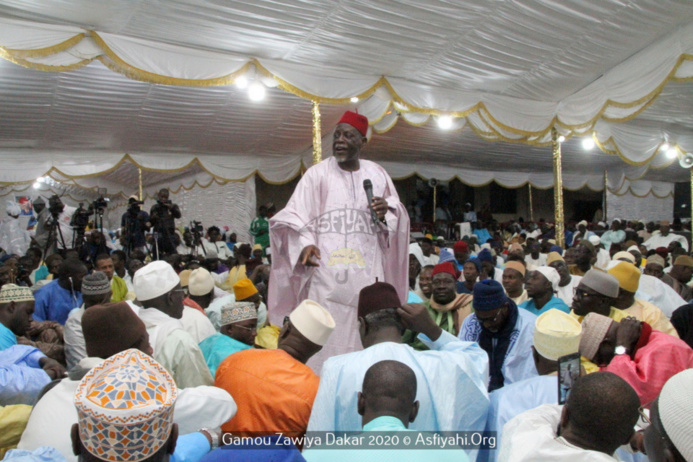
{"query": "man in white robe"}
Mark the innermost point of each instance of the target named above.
(157, 287)
(597, 419)
(451, 364)
(330, 241)
(663, 238)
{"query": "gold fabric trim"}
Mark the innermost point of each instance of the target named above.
(47, 51)
(118, 65)
(5, 54)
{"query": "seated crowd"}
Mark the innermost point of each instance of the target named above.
(110, 355)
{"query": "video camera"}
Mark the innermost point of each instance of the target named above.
(196, 227)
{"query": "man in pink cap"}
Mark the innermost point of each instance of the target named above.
(331, 240)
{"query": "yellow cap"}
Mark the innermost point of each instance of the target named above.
(628, 276)
(683, 260)
(552, 257)
(244, 289)
(556, 334)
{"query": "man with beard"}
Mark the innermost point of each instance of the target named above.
(447, 308)
(504, 331)
(568, 282)
(331, 240)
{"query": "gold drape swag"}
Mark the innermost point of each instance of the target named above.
(495, 127)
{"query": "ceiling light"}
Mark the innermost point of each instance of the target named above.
(444, 122)
(37, 185)
(561, 139)
(40, 179)
(256, 91)
(587, 144)
(242, 82)
(664, 147)
(354, 99)
(672, 152)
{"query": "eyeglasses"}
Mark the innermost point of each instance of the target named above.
(495, 318)
(182, 291)
(645, 413)
(580, 293)
(252, 329)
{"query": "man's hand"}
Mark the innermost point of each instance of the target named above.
(52, 367)
(307, 254)
(628, 333)
(379, 206)
(415, 317)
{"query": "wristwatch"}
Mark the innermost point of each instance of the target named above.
(214, 436)
(620, 350)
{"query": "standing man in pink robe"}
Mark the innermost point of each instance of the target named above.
(326, 244)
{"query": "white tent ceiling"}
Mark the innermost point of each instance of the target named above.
(508, 70)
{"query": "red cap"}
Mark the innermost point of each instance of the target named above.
(460, 246)
(358, 121)
(377, 297)
(447, 267)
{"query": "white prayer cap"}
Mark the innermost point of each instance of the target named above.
(675, 410)
(633, 248)
(486, 246)
(583, 223)
(415, 249)
(551, 275)
(200, 282)
(13, 208)
(154, 280)
(595, 240)
(125, 407)
(601, 223)
(313, 321)
(624, 255)
(556, 334)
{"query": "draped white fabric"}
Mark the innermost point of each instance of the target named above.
(501, 95)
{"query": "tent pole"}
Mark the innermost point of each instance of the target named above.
(531, 208)
(317, 137)
(691, 201)
(606, 193)
(557, 188)
(139, 172)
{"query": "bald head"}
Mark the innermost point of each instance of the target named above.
(389, 389)
(602, 409)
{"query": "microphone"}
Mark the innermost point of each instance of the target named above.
(368, 187)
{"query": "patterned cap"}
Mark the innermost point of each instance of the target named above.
(125, 407)
(14, 293)
(96, 283)
(234, 312)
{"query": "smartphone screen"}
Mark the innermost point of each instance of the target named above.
(568, 372)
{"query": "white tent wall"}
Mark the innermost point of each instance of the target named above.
(648, 208)
(232, 204)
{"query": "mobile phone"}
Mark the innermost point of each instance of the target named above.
(568, 372)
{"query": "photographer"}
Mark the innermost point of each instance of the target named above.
(134, 223)
(162, 216)
(47, 234)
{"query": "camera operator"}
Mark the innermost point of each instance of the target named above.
(47, 234)
(214, 244)
(162, 216)
(134, 223)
